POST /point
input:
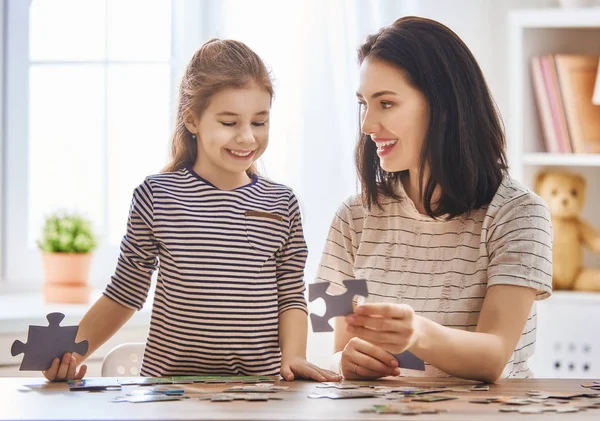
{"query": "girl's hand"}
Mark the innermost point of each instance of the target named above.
(363, 360)
(64, 369)
(298, 367)
(389, 326)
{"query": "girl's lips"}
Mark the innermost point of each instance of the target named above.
(240, 157)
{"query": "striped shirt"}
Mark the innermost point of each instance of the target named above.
(442, 268)
(229, 263)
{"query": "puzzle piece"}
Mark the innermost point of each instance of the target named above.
(410, 361)
(402, 410)
(337, 305)
(343, 394)
(44, 343)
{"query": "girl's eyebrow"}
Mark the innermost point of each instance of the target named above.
(232, 114)
(378, 94)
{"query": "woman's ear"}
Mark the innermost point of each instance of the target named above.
(191, 122)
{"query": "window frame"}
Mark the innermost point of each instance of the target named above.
(21, 264)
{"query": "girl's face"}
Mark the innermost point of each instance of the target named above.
(393, 113)
(233, 131)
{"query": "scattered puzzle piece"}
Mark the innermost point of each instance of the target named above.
(92, 385)
(337, 305)
(148, 398)
(230, 397)
(338, 385)
(45, 343)
(402, 410)
(343, 394)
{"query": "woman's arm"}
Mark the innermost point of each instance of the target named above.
(483, 354)
(480, 355)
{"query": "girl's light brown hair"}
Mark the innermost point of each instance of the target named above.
(218, 64)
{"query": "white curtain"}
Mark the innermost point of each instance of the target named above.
(310, 46)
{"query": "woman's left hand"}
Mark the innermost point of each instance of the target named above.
(298, 367)
(389, 326)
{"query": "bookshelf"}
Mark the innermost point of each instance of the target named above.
(568, 341)
(540, 159)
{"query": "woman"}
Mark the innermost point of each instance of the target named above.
(455, 252)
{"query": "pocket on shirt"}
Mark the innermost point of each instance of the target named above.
(266, 232)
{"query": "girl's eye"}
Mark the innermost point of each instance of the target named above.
(385, 105)
(228, 124)
(257, 124)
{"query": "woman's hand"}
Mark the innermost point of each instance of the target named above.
(64, 369)
(388, 326)
(298, 367)
(364, 360)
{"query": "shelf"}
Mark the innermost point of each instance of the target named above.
(587, 17)
(574, 298)
(575, 160)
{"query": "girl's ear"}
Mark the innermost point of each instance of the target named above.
(191, 122)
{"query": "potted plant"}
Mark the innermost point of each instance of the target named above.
(67, 243)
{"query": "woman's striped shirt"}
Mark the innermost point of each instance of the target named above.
(229, 263)
(443, 268)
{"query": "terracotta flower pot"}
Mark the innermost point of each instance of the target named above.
(66, 276)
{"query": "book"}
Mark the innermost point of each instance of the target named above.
(577, 78)
(543, 106)
(556, 104)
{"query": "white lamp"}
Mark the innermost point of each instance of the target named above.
(596, 97)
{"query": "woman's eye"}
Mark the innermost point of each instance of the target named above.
(228, 124)
(385, 105)
(259, 124)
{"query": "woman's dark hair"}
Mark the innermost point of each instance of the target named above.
(464, 146)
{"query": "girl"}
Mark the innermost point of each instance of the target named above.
(454, 250)
(227, 243)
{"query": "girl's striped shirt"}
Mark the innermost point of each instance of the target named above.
(229, 263)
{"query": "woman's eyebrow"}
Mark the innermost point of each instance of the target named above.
(378, 94)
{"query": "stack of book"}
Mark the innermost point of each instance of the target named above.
(563, 85)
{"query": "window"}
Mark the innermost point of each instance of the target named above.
(88, 108)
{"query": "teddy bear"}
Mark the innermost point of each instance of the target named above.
(564, 193)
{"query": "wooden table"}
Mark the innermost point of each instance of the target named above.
(46, 401)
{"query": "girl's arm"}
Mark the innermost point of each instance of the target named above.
(98, 325)
(293, 323)
(101, 322)
(293, 327)
(127, 290)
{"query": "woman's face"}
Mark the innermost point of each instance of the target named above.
(393, 113)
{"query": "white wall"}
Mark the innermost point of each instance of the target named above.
(482, 26)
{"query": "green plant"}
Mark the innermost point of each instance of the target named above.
(67, 233)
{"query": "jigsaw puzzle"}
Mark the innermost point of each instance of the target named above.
(337, 305)
(45, 343)
(410, 361)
